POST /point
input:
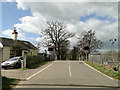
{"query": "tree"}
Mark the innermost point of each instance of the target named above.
(57, 34)
(64, 50)
(88, 39)
(74, 53)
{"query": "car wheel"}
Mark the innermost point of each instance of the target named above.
(17, 65)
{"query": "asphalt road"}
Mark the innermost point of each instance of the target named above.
(67, 74)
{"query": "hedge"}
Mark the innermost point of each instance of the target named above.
(34, 61)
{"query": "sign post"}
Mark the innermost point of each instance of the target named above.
(86, 55)
(25, 53)
(86, 48)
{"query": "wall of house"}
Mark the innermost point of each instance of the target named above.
(33, 52)
(6, 53)
(36, 51)
(23, 52)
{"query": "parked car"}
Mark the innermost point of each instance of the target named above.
(12, 62)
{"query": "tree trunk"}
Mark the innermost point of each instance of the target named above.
(58, 57)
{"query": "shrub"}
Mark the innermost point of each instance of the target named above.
(114, 68)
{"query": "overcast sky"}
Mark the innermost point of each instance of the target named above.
(30, 19)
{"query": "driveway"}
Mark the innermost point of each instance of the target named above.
(19, 73)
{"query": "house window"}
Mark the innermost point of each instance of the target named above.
(12, 53)
(16, 53)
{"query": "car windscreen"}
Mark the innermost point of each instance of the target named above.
(13, 59)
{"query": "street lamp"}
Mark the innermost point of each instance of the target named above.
(112, 44)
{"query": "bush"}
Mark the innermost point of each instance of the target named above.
(114, 68)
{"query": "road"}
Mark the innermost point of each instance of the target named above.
(67, 74)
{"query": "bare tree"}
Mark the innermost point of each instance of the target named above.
(57, 34)
(89, 39)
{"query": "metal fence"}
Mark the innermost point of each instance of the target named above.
(105, 60)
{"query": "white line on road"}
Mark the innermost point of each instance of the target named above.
(68, 63)
(69, 69)
(98, 71)
(70, 72)
(39, 71)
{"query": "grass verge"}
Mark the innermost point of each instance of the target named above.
(8, 83)
(24, 68)
(106, 71)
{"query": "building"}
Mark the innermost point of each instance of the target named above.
(13, 47)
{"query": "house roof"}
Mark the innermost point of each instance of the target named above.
(19, 43)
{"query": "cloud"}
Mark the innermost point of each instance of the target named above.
(70, 14)
(68, 11)
(8, 0)
(40, 41)
(32, 24)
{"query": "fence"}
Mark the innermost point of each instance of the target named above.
(108, 61)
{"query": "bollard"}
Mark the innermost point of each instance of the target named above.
(25, 61)
(22, 65)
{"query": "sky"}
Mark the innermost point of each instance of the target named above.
(30, 19)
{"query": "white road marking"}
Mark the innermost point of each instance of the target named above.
(69, 69)
(39, 71)
(68, 63)
(98, 71)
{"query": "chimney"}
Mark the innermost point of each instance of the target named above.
(14, 35)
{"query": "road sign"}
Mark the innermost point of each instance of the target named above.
(50, 48)
(86, 48)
